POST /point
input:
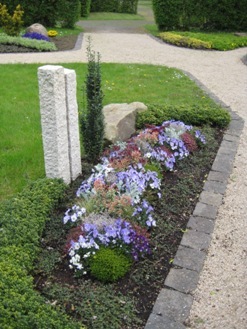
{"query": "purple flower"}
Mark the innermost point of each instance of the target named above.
(35, 35)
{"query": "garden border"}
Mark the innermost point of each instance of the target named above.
(174, 302)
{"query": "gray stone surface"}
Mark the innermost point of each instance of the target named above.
(196, 240)
(231, 138)
(201, 224)
(37, 28)
(182, 279)
(218, 176)
(173, 304)
(191, 259)
(223, 163)
(236, 127)
(120, 120)
(211, 198)
(162, 322)
(73, 124)
(215, 187)
(204, 210)
(54, 121)
(227, 147)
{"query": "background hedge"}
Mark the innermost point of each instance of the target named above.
(47, 12)
(118, 6)
(203, 14)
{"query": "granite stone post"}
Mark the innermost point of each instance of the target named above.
(73, 124)
(59, 121)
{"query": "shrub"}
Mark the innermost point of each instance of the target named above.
(48, 12)
(118, 6)
(195, 115)
(22, 220)
(69, 12)
(184, 41)
(109, 265)
(85, 8)
(129, 6)
(166, 14)
(40, 45)
(92, 122)
(11, 24)
(104, 6)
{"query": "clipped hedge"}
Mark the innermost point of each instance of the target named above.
(167, 13)
(117, 6)
(207, 15)
(22, 221)
(85, 8)
(184, 41)
(193, 115)
(47, 12)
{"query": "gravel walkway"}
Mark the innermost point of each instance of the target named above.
(220, 300)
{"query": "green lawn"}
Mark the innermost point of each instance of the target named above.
(21, 157)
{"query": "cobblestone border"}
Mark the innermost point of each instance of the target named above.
(174, 301)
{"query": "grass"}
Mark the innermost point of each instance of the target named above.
(21, 157)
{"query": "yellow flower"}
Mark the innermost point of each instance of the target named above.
(52, 33)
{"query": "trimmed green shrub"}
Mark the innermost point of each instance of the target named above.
(11, 24)
(108, 265)
(92, 122)
(129, 6)
(225, 14)
(104, 6)
(118, 6)
(22, 220)
(48, 12)
(167, 14)
(183, 41)
(208, 14)
(194, 115)
(40, 45)
(85, 8)
(69, 12)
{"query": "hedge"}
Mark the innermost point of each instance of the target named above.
(47, 12)
(22, 221)
(206, 15)
(118, 6)
(193, 115)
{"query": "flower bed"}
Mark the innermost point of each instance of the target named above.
(118, 221)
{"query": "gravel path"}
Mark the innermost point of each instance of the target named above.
(220, 300)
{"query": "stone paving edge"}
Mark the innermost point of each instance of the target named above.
(175, 300)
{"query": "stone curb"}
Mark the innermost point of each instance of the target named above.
(174, 301)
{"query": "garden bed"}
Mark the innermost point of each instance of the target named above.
(62, 43)
(127, 303)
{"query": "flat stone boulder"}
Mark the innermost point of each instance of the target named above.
(37, 28)
(120, 120)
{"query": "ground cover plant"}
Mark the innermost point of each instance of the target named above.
(218, 41)
(58, 39)
(21, 158)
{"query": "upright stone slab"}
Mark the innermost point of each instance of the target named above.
(73, 124)
(54, 122)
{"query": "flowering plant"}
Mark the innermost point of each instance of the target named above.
(35, 35)
(119, 187)
(52, 33)
(119, 235)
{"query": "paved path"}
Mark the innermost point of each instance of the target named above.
(220, 301)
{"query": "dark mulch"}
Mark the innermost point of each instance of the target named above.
(62, 43)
